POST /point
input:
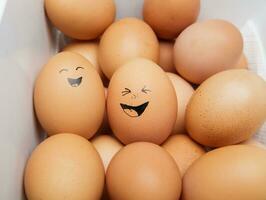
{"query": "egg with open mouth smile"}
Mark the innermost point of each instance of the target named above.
(69, 96)
(141, 103)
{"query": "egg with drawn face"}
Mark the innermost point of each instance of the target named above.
(141, 103)
(69, 96)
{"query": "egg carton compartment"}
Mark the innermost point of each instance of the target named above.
(28, 40)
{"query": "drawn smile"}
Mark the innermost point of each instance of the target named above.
(134, 111)
(74, 82)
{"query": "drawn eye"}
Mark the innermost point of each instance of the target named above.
(79, 68)
(126, 91)
(145, 90)
(63, 70)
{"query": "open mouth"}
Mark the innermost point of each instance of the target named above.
(134, 111)
(75, 82)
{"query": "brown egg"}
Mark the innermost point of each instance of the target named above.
(242, 62)
(233, 172)
(69, 96)
(184, 151)
(107, 146)
(79, 19)
(207, 47)
(141, 103)
(184, 91)
(166, 59)
(228, 108)
(124, 40)
(143, 171)
(64, 166)
(168, 18)
(90, 51)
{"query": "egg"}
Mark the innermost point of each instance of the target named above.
(143, 171)
(124, 40)
(89, 50)
(227, 108)
(107, 146)
(184, 91)
(166, 58)
(184, 151)
(168, 18)
(64, 166)
(69, 96)
(206, 48)
(242, 63)
(233, 172)
(141, 103)
(79, 19)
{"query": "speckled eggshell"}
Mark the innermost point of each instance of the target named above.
(227, 108)
(233, 172)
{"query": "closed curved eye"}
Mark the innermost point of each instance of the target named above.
(79, 68)
(126, 91)
(63, 70)
(145, 90)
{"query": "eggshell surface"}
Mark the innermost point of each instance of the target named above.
(233, 172)
(124, 40)
(69, 96)
(64, 166)
(141, 103)
(107, 146)
(166, 59)
(79, 19)
(184, 91)
(184, 151)
(143, 171)
(226, 109)
(206, 48)
(168, 18)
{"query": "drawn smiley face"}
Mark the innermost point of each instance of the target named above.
(73, 82)
(135, 110)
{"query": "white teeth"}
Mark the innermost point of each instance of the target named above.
(75, 85)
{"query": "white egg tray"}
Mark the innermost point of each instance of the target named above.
(27, 41)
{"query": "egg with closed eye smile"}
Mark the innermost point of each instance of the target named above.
(69, 96)
(141, 103)
(134, 110)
